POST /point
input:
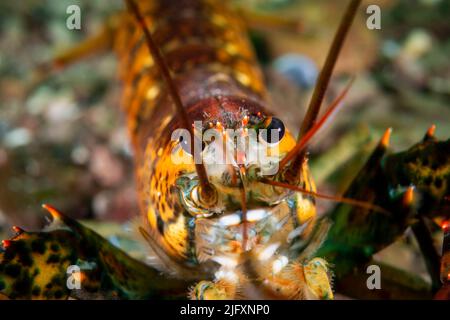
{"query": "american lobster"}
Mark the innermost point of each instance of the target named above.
(232, 230)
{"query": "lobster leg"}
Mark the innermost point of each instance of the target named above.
(425, 241)
(99, 42)
(224, 287)
(273, 279)
(301, 273)
(69, 260)
(95, 44)
(262, 21)
(444, 292)
(300, 280)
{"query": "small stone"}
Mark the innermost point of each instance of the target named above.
(298, 68)
(17, 138)
(106, 168)
(417, 44)
(80, 155)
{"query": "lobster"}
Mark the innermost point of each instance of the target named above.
(223, 231)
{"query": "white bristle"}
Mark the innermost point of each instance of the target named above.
(279, 264)
(267, 252)
(230, 220)
(225, 261)
(256, 215)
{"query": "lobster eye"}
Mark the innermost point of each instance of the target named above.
(186, 145)
(273, 124)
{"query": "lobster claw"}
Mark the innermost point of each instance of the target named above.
(67, 259)
(444, 292)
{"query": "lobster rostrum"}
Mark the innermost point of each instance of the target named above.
(222, 231)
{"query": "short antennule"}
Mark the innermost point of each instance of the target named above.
(324, 78)
(207, 191)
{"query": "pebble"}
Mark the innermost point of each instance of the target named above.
(17, 138)
(298, 68)
(106, 168)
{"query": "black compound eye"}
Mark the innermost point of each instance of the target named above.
(186, 145)
(274, 124)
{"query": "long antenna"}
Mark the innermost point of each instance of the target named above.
(304, 140)
(206, 188)
(353, 202)
(326, 72)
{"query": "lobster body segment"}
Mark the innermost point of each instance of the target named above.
(205, 47)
